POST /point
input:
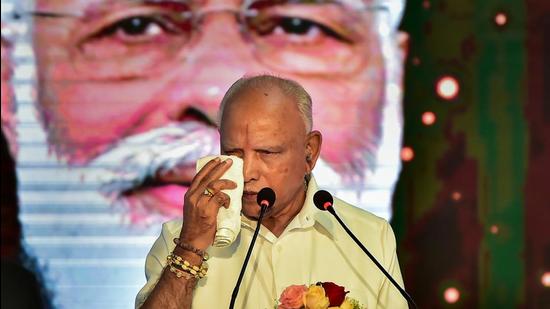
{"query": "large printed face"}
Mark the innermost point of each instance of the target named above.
(113, 72)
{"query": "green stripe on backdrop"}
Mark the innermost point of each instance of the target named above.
(502, 151)
(461, 38)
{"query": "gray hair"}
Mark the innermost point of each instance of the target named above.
(288, 87)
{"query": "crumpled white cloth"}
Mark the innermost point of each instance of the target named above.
(229, 220)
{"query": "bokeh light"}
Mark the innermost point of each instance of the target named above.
(407, 154)
(545, 279)
(428, 118)
(447, 87)
(451, 295)
(426, 4)
(501, 19)
(494, 229)
(456, 196)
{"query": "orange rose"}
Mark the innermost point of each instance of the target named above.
(292, 297)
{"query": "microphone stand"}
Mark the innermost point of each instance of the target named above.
(401, 290)
(241, 275)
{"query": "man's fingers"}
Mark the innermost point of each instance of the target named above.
(221, 184)
(204, 199)
(206, 169)
(214, 174)
(221, 199)
(209, 205)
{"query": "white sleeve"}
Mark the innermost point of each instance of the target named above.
(156, 260)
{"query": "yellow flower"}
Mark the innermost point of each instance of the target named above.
(315, 298)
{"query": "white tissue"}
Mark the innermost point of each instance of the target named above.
(229, 220)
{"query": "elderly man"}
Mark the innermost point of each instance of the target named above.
(266, 121)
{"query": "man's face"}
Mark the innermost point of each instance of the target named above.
(264, 128)
(123, 68)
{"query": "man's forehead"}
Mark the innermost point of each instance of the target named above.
(87, 7)
(92, 7)
(82, 6)
(257, 100)
(257, 132)
(75, 6)
(266, 102)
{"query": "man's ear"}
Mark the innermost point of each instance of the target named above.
(314, 139)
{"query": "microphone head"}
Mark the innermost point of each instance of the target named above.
(322, 199)
(266, 197)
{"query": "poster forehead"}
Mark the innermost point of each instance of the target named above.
(393, 7)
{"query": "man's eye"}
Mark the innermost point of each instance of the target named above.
(137, 27)
(297, 26)
(232, 153)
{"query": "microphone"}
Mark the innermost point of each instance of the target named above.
(265, 199)
(324, 201)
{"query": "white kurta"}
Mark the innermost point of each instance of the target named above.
(312, 248)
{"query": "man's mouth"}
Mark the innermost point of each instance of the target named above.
(153, 170)
(166, 190)
(249, 196)
(146, 202)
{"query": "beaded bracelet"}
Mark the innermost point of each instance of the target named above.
(179, 266)
(184, 271)
(180, 273)
(187, 247)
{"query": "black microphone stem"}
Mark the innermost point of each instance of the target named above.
(403, 292)
(241, 275)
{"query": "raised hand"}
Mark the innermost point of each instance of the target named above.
(202, 202)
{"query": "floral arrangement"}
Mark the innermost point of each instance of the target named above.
(323, 295)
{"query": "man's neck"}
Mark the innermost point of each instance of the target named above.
(278, 222)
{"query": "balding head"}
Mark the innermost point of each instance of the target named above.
(288, 88)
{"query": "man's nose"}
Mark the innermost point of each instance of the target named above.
(250, 169)
(213, 62)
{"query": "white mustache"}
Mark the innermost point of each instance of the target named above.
(141, 157)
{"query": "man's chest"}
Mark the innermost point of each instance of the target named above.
(300, 258)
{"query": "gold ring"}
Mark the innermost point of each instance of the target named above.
(208, 192)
